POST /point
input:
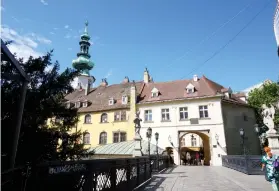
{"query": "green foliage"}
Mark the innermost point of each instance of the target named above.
(44, 100)
(268, 94)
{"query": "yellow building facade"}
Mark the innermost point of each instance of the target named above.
(106, 113)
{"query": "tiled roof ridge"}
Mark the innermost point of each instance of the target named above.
(165, 82)
(130, 83)
(211, 83)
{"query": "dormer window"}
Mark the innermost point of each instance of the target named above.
(111, 101)
(190, 88)
(85, 103)
(154, 92)
(77, 104)
(68, 105)
(124, 99)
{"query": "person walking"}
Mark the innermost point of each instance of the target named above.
(202, 158)
(197, 158)
(188, 157)
(270, 163)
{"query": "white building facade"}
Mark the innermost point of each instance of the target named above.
(178, 109)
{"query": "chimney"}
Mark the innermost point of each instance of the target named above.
(104, 82)
(195, 78)
(126, 80)
(146, 76)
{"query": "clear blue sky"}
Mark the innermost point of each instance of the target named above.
(131, 35)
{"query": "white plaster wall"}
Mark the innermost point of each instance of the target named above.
(169, 130)
(81, 79)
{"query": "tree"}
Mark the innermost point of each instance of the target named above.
(44, 100)
(268, 94)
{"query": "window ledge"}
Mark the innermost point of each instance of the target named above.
(103, 122)
(205, 118)
(87, 123)
(165, 120)
(120, 121)
(184, 119)
(148, 122)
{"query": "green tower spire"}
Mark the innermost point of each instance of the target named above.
(83, 62)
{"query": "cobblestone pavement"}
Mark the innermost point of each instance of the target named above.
(205, 178)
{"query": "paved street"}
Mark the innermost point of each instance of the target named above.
(198, 178)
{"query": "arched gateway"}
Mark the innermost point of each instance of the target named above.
(204, 135)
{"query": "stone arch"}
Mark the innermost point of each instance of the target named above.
(206, 143)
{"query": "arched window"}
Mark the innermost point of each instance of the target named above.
(86, 138)
(103, 138)
(104, 118)
(87, 118)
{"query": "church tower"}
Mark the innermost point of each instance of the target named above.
(83, 63)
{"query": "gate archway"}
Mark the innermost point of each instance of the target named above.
(206, 144)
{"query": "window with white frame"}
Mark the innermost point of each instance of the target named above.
(203, 111)
(193, 141)
(103, 138)
(190, 88)
(154, 92)
(120, 116)
(86, 138)
(119, 137)
(104, 118)
(87, 119)
(148, 115)
(183, 142)
(165, 114)
(77, 104)
(124, 99)
(111, 101)
(84, 104)
(183, 113)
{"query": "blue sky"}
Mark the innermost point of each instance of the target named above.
(130, 35)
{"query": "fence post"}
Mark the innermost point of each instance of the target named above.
(113, 175)
(128, 174)
(138, 171)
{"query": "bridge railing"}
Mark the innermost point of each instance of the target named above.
(159, 162)
(96, 175)
(249, 164)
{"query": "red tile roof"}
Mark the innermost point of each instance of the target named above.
(98, 98)
(175, 90)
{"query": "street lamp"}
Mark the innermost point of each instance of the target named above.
(148, 135)
(242, 135)
(157, 152)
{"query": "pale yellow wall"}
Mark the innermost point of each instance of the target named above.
(96, 127)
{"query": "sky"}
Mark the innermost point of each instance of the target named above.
(173, 39)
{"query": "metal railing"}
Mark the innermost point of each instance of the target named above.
(248, 164)
(96, 175)
(159, 163)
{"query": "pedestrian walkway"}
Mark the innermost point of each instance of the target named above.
(206, 178)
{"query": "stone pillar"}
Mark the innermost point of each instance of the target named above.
(273, 142)
(137, 150)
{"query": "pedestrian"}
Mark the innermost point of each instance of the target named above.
(197, 158)
(270, 163)
(202, 158)
(188, 158)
